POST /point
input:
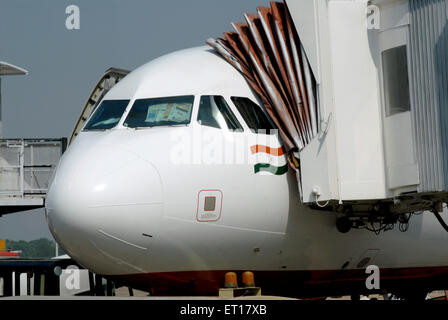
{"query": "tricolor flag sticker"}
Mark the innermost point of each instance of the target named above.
(269, 160)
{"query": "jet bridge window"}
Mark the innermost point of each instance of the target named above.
(165, 111)
(254, 116)
(107, 115)
(396, 81)
(215, 112)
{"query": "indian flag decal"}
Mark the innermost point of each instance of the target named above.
(269, 160)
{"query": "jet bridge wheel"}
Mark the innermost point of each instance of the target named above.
(383, 215)
(343, 224)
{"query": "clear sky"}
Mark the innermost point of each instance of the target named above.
(64, 64)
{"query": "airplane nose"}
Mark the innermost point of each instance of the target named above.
(103, 203)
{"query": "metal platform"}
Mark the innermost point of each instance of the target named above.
(26, 168)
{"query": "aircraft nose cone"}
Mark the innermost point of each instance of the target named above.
(104, 201)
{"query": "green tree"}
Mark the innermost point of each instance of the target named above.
(40, 248)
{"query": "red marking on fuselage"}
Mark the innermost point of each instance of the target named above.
(311, 283)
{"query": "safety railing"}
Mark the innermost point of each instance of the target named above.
(26, 165)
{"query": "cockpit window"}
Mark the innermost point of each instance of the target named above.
(254, 116)
(160, 112)
(107, 115)
(215, 112)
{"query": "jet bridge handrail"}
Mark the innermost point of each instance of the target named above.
(26, 165)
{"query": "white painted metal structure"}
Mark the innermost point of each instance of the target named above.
(26, 166)
(7, 69)
(130, 202)
(367, 152)
(348, 163)
(429, 90)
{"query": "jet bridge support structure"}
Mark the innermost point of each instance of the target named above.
(26, 168)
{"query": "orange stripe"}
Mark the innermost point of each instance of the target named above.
(272, 151)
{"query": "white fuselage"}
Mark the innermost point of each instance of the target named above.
(130, 201)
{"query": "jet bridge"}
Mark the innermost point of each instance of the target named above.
(358, 90)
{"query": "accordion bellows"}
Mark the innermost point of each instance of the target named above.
(268, 52)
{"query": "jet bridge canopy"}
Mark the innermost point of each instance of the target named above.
(26, 165)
